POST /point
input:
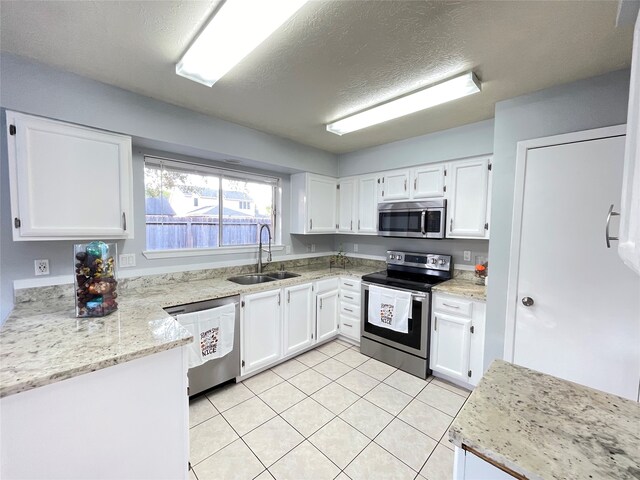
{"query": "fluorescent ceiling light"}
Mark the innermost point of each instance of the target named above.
(237, 28)
(446, 91)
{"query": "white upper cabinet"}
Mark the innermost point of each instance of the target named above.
(395, 185)
(367, 207)
(313, 203)
(428, 181)
(467, 198)
(347, 200)
(67, 181)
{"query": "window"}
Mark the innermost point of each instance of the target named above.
(198, 206)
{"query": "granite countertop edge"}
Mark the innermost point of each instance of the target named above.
(462, 287)
(151, 301)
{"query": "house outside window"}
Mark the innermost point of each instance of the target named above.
(198, 206)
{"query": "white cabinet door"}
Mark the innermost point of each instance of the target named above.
(467, 198)
(395, 185)
(327, 314)
(450, 337)
(67, 181)
(298, 324)
(321, 206)
(347, 205)
(427, 181)
(367, 205)
(261, 330)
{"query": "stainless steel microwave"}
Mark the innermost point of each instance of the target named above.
(412, 219)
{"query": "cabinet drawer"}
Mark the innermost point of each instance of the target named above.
(350, 297)
(349, 309)
(453, 306)
(350, 284)
(350, 327)
(327, 285)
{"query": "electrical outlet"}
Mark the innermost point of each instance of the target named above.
(467, 255)
(127, 260)
(42, 267)
(287, 249)
(355, 247)
(313, 247)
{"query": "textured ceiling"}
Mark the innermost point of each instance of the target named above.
(331, 59)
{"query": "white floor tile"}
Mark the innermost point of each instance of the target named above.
(263, 381)
(442, 399)
(289, 369)
(358, 382)
(388, 398)
(440, 465)
(307, 416)
(376, 369)
(248, 415)
(309, 381)
(229, 396)
(265, 476)
(375, 463)
(405, 442)
(351, 357)
(332, 369)
(451, 387)
(312, 358)
(366, 417)
(339, 441)
(209, 437)
(282, 396)
(427, 419)
(200, 409)
(305, 462)
(405, 382)
(331, 348)
(335, 397)
(272, 440)
(233, 461)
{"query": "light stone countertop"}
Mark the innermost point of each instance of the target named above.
(43, 342)
(542, 427)
(462, 287)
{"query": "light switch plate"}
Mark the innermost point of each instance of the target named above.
(355, 247)
(127, 260)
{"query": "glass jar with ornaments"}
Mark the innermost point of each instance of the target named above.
(95, 279)
(481, 273)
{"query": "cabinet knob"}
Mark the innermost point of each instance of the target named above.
(527, 301)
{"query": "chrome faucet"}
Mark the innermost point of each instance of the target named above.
(260, 248)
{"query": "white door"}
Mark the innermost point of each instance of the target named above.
(346, 205)
(450, 343)
(298, 319)
(322, 204)
(261, 330)
(467, 198)
(395, 185)
(47, 160)
(584, 322)
(327, 314)
(428, 181)
(367, 205)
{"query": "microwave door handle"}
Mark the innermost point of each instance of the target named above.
(422, 222)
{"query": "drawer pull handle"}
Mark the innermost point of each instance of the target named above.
(450, 306)
(348, 284)
(347, 325)
(348, 309)
(347, 296)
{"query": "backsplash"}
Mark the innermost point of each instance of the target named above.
(57, 292)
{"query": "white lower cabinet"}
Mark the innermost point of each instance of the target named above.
(261, 330)
(350, 308)
(457, 338)
(298, 319)
(327, 314)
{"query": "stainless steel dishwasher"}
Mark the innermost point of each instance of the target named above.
(219, 370)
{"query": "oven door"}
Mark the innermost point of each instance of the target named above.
(416, 340)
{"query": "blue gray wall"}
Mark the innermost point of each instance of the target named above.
(592, 103)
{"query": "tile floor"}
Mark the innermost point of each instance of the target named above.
(331, 413)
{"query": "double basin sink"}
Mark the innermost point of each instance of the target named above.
(254, 278)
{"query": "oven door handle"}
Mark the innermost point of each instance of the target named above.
(415, 296)
(422, 222)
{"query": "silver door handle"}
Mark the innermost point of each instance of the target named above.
(606, 230)
(435, 324)
(358, 224)
(351, 225)
(320, 304)
(405, 185)
(451, 225)
(124, 220)
(278, 299)
(415, 183)
(423, 217)
(289, 296)
(527, 301)
(311, 224)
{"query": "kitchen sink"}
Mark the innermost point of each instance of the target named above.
(282, 275)
(252, 279)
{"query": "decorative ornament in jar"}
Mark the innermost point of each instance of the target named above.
(95, 279)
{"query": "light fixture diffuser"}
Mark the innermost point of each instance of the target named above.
(237, 28)
(452, 89)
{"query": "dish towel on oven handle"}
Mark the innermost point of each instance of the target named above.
(213, 332)
(389, 308)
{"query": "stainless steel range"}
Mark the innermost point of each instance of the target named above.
(410, 272)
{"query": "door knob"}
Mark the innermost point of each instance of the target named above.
(527, 301)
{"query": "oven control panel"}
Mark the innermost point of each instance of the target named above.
(429, 261)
